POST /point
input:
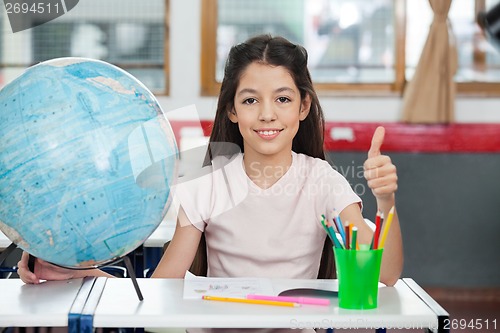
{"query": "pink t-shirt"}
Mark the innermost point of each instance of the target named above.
(273, 232)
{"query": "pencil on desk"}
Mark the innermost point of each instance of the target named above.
(250, 301)
(300, 300)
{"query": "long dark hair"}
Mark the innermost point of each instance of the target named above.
(274, 51)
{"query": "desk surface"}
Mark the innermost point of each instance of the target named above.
(164, 306)
(27, 305)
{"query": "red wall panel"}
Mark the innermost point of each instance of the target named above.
(356, 136)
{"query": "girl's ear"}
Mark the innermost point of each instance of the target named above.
(305, 107)
(232, 115)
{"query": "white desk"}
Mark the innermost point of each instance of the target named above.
(164, 306)
(4, 241)
(44, 305)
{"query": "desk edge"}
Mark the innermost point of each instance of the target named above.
(441, 313)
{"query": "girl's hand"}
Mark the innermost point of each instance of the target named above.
(379, 172)
(43, 270)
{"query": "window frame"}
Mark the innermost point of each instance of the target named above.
(210, 86)
(126, 66)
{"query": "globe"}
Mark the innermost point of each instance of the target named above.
(87, 162)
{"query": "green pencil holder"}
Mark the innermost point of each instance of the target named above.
(358, 273)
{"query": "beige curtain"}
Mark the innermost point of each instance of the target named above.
(430, 96)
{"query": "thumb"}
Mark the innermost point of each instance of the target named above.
(377, 141)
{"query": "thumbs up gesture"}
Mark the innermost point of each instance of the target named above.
(379, 171)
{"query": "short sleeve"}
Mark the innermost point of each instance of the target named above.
(335, 191)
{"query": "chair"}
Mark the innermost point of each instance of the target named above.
(6, 271)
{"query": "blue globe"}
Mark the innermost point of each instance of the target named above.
(87, 162)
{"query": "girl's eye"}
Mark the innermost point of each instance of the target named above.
(283, 99)
(250, 101)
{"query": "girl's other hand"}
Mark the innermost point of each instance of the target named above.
(379, 171)
(43, 271)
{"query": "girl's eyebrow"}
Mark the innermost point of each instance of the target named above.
(285, 89)
(246, 91)
(253, 91)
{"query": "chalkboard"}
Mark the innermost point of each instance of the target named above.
(449, 209)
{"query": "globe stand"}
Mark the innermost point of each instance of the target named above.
(131, 273)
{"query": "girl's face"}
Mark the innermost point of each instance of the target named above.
(268, 110)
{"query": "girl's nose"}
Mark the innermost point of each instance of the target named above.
(267, 113)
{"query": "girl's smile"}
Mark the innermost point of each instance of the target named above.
(268, 133)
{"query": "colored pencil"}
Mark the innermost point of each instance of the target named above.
(347, 237)
(338, 221)
(386, 228)
(354, 241)
(379, 219)
(377, 224)
(350, 236)
(249, 301)
(333, 224)
(336, 233)
(323, 223)
(300, 300)
(330, 232)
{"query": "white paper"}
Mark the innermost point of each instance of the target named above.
(195, 286)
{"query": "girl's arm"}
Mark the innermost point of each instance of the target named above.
(179, 255)
(382, 178)
(392, 259)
